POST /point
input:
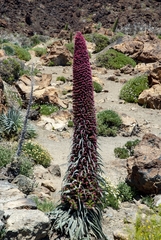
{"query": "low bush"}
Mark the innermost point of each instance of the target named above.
(70, 47)
(111, 196)
(113, 59)
(70, 123)
(108, 123)
(14, 49)
(22, 53)
(97, 87)
(39, 51)
(130, 145)
(127, 150)
(61, 78)
(100, 40)
(125, 192)
(133, 88)
(121, 153)
(25, 166)
(11, 69)
(6, 154)
(44, 205)
(46, 109)
(37, 153)
(147, 226)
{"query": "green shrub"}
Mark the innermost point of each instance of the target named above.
(132, 89)
(127, 150)
(6, 154)
(108, 123)
(111, 196)
(35, 40)
(9, 50)
(61, 78)
(148, 200)
(70, 47)
(51, 63)
(130, 145)
(25, 166)
(70, 123)
(125, 192)
(46, 109)
(121, 153)
(147, 226)
(11, 69)
(100, 41)
(37, 153)
(22, 53)
(13, 49)
(44, 205)
(97, 87)
(113, 59)
(39, 51)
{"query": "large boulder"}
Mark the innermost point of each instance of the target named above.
(145, 47)
(43, 92)
(22, 224)
(155, 76)
(57, 55)
(151, 97)
(144, 168)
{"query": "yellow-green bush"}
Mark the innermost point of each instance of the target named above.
(37, 153)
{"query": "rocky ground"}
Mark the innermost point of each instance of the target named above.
(49, 17)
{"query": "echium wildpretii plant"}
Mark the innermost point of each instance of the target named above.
(79, 213)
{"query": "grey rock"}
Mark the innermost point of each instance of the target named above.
(26, 224)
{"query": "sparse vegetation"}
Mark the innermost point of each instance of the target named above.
(108, 123)
(97, 87)
(147, 226)
(44, 205)
(36, 153)
(11, 69)
(113, 59)
(61, 78)
(70, 47)
(100, 40)
(13, 49)
(132, 89)
(70, 123)
(39, 51)
(125, 192)
(46, 109)
(127, 150)
(111, 196)
(121, 153)
(25, 166)
(6, 154)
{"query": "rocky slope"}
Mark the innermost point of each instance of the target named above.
(49, 17)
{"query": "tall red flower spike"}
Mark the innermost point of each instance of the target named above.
(82, 192)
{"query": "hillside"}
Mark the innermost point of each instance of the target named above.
(49, 17)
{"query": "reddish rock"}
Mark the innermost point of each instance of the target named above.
(144, 168)
(145, 47)
(151, 97)
(155, 76)
(57, 54)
